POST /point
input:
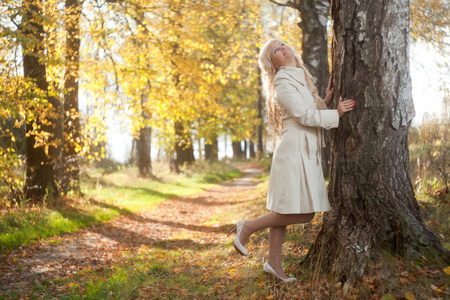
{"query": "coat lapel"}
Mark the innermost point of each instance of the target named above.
(295, 73)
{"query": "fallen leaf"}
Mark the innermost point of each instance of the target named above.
(447, 270)
(388, 297)
(345, 289)
(436, 289)
(404, 280)
(410, 296)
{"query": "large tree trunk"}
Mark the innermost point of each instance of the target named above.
(40, 173)
(71, 170)
(371, 195)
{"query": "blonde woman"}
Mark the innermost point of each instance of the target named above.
(297, 114)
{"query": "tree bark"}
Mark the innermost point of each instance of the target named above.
(370, 191)
(314, 16)
(71, 170)
(40, 171)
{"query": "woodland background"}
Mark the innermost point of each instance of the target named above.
(181, 77)
(177, 75)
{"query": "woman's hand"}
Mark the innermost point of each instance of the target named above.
(345, 106)
(329, 95)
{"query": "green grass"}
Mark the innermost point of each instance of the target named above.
(20, 226)
(105, 197)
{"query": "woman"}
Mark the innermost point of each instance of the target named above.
(296, 186)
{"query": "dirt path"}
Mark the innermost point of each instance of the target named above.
(180, 222)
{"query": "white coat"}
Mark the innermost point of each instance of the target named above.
(296, 183)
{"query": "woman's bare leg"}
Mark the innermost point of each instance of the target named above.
(272, 219)
(276, 239)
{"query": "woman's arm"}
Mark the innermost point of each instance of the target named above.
(290, 98)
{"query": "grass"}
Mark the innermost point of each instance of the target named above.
(22, 225)
(106, 196)
(435, 211)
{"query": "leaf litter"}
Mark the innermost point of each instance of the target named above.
(181, 251)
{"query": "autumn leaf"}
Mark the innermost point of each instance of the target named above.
(410, 296)
(447, 270)
(388, 297)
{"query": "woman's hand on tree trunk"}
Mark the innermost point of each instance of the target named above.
(345, 106)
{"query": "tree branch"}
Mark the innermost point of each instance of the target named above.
(288, 4)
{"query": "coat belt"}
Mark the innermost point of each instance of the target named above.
(317, 130)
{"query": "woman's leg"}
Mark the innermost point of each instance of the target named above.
(272, 219)
(276, 239)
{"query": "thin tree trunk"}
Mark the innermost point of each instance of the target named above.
(144, 150)
(144, 141)
(244, 153)
(40, 172)
(183, 145)
(260, 128)
(372, 198)
(212, 150)
(252, 150)
(237, 150)
(71, 169)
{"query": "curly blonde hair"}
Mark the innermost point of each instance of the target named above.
(268, 73)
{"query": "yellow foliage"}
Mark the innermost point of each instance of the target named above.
(193, 62)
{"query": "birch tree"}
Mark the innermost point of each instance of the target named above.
(374, 208)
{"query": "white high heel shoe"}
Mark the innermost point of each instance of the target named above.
(237, 243)
(268, 269)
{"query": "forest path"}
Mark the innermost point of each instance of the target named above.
(183, 222)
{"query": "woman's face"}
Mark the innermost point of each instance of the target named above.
(281, 55)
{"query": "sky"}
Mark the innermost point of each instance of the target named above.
(427, 82)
